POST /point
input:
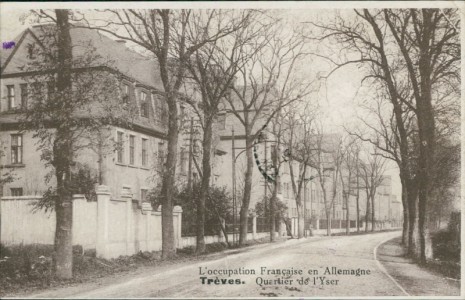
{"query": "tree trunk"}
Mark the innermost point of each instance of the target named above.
(206, 174)
(412, 214)
(328, 222)
(63, 232)
(358, 204)
(63, 154)
(373, 221)
(300, 220)
(168, 241)
(405, 222)
(244, 213)
(347, 216)
(425, 119)
(272, 211)
(367, 213)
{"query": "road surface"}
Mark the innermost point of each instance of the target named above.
(314, 264)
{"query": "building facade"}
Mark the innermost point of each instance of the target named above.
(131, 154)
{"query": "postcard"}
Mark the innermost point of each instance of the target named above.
(237, 150)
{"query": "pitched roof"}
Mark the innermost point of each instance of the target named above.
(5, 53)
(114, 54)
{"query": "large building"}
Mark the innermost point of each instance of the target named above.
(141, 145)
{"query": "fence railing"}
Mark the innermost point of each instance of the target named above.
(190, 228)
(336, 224)
(263, 224)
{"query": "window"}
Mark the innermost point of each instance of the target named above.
(158, 106)
(144, 105)
(313, 196)
(125, 94)
(144, 151)
(132, 140)
(16, 149)
(11, 96)
(16, 192)
(23, 88)
(31, 50)
(143, 195)
(120, 147)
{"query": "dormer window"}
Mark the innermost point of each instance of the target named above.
(144, 105)
(31, 51)
(125, 94)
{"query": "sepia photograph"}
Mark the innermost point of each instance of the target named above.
(236, 150)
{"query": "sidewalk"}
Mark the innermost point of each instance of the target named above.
(415, 280)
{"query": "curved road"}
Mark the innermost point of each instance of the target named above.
(347, 254)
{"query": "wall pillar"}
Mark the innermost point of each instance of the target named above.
(147, 212)
(78, 201)
(126, 195)
(177, 210)
(103, 202)
(223, 224)
(254, 226)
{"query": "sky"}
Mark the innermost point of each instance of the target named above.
(336, 99)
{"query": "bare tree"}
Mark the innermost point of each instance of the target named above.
(349, 172)
(298, 122)
(382, 66)
(384, 134)
(412, 54)
(165, 35)
(265, 85)
(429, 42)
(327, 158)
(372, 170)
(213, 68)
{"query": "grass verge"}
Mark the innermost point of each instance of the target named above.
(26, 269)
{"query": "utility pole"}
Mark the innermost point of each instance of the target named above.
(275, 158)
(233, 156)
(265, 179)
(305, 205)
(189, 175)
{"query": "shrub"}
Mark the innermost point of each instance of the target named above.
(445, 246)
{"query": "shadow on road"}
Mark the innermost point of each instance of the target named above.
(417, 281)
